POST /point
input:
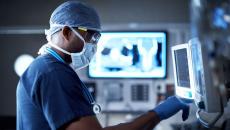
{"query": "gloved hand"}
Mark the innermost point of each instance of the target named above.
(171, 106)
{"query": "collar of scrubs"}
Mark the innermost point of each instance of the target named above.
(55, 54)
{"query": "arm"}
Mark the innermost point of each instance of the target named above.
(145, 122)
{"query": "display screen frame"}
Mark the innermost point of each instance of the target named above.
(186, 92)
(163, 58)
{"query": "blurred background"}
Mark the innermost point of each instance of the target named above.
(22, 27)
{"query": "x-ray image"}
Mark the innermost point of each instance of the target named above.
(138, 55)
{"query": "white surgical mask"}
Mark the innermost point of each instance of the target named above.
(79, 59)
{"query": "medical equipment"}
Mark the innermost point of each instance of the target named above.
(210, 59)
(140, 93)
(183, 70)
(133, 54)
(127, 96)
(192, 79)
(211, 25)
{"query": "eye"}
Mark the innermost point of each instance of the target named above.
(93, 36)
(90, 33)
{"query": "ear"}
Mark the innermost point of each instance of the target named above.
(66, 32)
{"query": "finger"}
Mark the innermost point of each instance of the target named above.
(185, 113)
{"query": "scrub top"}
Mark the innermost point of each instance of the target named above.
(50, 95)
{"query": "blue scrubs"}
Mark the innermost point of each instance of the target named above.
(50, 95)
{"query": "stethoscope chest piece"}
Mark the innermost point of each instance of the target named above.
(96, 108)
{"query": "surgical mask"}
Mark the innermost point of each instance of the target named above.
(79, 59)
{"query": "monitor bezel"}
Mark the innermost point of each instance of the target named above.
(181, 91)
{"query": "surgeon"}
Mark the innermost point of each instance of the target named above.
(50, 94)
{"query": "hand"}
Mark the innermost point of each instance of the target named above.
(170, 107)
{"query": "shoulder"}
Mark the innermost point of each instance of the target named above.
(45, 64)
(46, 71)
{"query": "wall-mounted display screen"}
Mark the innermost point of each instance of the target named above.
(130, 55)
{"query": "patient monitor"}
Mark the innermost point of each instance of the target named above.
(193, 79)
(202, 65)
(183, 70)
(210, 23)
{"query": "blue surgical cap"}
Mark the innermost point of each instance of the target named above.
(74, 14)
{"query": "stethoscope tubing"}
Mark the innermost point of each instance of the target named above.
(86, 93)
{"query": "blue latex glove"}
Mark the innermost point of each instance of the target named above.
(170, 107)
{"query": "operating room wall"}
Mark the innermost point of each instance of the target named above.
(22, 24)
(36, 13)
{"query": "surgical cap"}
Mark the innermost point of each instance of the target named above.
(74, 14)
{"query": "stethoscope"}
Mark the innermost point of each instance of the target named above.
(87, 95)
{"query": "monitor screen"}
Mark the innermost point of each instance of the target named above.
(130, 55)
(182, 68)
